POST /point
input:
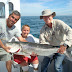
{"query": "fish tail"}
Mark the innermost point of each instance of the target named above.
(68, 55)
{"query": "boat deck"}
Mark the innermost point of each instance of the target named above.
(67, 66)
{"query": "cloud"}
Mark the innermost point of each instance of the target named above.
(67, 10)
(34, 1)
(64, 9)
(45, 0)
(32, 8)
(69, 4)
(35, 8)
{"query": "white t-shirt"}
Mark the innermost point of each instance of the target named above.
(7, 33)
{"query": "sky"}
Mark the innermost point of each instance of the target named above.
(35, 7)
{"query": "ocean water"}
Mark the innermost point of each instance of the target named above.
(36, 24)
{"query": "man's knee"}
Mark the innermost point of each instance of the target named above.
(9, 62)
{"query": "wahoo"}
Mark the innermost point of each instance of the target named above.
(26, 48)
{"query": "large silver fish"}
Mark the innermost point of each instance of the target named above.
(26, 48)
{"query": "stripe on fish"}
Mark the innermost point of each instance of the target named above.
(41, 49)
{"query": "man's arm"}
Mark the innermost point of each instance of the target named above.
(42, 39)
(68, 38)
(4, 47)
(21, 39)
(67, 32)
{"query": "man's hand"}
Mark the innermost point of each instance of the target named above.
(62, 49)
(33, 54)
(6, 48)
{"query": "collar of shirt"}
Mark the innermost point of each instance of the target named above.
(52, 23)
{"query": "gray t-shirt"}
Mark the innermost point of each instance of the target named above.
(7, 33)
(31, 38)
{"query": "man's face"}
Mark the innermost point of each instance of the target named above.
(25, 31)
(12, 20)
(48, 19)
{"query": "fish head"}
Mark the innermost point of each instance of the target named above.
(15, 46)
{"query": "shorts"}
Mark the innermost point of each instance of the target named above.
(4, 56)
(20, 58)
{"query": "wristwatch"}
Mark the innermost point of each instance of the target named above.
(66, 45)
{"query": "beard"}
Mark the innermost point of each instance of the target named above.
(10, 24)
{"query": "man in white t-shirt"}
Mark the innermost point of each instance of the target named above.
(22, 60)
(7, 31)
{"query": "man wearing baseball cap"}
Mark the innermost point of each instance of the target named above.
(56, 33)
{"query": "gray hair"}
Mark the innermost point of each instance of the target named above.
(16, 13)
